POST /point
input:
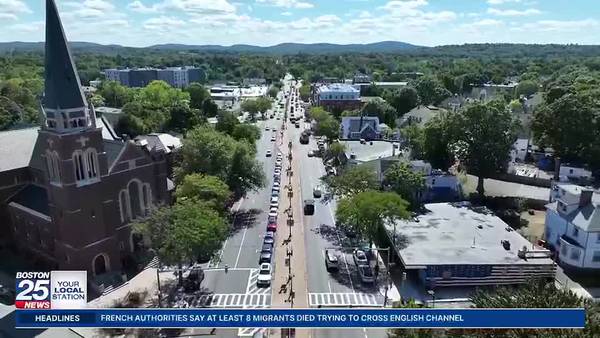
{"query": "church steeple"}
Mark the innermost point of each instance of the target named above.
(64, 103)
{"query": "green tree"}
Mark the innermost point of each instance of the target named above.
(383, 110)
(206, 151)
(226, 122)
(209, 189)
(335, 151)
(114, 94)
(246, 172)
(430, 90)
(437, 137)
(352, 181)
(252, 107)
(159, 95)
(403, 100)
(571, 126)
(183, 118)
(273, 91)
(247, 132)
(483, 136)
(304, 92)
(263, 104)
(210, 108)
(198, 94)
(141, 119)
(366, 212)
(188, 231)
(527, 88)
(210, 152)
(97, 100)
(328, 127)
(405, 182)
(415, 139)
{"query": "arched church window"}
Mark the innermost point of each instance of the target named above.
(124, 206)
(91, 163)
(135, 190)
(78, 165)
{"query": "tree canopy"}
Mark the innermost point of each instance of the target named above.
(209, 189)
(352, 181)
(405, 182)
(366, 212)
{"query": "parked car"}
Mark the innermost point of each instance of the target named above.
(268, 153)
(360, 258)
(274, 201)
(311, 153)
(317, 192)
(272, 215)
(272, 226)
(267, 248)
(270, 234)
(267, 129)
(264, 275)
(192, 282)
(366, 274)
(331, 261)
(265, 257)
(274, 193)
(273, 137)
(268, 240)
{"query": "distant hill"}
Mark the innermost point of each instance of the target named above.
(284, 48)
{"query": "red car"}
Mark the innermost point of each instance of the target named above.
(272, 227)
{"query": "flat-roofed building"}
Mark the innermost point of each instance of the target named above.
(456, 244)
(337, 95)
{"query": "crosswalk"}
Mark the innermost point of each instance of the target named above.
(230, 300)
(252, 288)
(250, 331)
(344, 299)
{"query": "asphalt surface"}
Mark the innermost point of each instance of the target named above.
(335, 289)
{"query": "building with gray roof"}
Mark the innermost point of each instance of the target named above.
(70, 188)
(572, 226)
(456, 244)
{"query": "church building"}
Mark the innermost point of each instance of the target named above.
(69, 188)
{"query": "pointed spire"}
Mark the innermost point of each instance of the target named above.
(62, 86)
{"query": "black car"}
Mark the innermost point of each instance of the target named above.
(265, 257)
(192, 282)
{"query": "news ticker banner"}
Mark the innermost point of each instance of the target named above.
(303, 318)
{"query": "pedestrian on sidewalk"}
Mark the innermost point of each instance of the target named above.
(376, 270)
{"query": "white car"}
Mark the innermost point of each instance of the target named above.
(276, 185)
(264, 275)
(268, 153)
(267, 129)
(274, 202)
(273, 138)
(317, 192)
(273, 210)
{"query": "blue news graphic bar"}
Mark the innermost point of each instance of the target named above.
(314, 318)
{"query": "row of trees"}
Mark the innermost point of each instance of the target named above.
(157, 107)
(216, 167)
(255, 106)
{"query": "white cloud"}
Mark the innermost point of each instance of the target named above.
(9, 9)
(163, 23)
(560, 26)
(513, 12)
(500, 2)
(188, 6)
(487, 23)
(286, 3)
(286, 13)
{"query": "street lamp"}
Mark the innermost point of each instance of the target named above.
(432, 294)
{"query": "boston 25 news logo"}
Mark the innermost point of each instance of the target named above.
(51, 290)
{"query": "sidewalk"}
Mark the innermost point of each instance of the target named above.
(281, 295)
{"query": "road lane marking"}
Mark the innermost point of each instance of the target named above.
(241, 246)
(324, 299)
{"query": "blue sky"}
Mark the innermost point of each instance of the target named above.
(268, 22)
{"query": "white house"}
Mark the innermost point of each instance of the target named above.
(570, 172)
(573, 226)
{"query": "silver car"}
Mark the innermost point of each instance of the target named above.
(366, 274)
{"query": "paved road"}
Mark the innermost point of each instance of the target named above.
(340, 289)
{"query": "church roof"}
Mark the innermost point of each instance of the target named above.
(16, 148)
(62, 85)
(33, 197)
